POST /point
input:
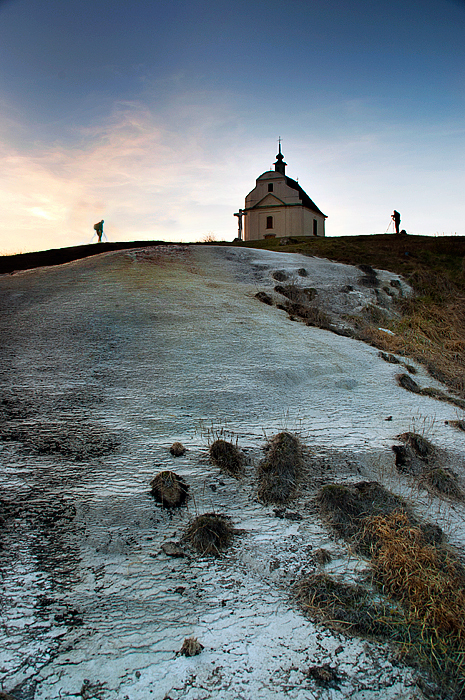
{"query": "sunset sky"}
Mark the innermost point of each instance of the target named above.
(158, 116)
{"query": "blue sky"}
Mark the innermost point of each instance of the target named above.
(158, 117)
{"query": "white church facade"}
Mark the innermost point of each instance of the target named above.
(279, 207)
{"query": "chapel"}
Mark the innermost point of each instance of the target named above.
(279, 207)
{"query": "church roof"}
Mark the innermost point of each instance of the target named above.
(303, 196)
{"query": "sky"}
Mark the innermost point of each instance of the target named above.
(159, 116)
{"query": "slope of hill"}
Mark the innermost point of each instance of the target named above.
(432, 327)
(106, 362)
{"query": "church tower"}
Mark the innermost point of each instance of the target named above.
(279, 207)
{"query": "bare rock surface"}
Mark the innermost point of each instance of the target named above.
(105, 363)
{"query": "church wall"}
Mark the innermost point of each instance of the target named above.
(309, 216)
(287, 221)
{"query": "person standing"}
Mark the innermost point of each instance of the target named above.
(396, 218)
(98, 228)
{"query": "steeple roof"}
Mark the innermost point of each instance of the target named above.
(280, 165)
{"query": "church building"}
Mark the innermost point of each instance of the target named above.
(278, 206)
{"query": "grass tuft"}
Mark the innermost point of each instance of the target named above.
(345, 507)
(177, 449)
(227, 457)
(443, 482)
(169, 489)
(422, 447)
(280, 471)
(210, 533)
(191, 647)
(346, 607)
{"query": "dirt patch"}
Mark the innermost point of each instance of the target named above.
(169, 489)
(74, 440)
(210, 533)
(408, 383)
(299, 295)
(264, 298)
(370, 278)
(389, 357)
(42, 524)
(280, 275)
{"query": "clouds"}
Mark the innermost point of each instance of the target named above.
(147, 179)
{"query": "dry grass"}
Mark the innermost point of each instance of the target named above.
(430, 586)
(280, 471)
(411, 565)
(442, 482)
(345, 507)
(169, 489)
(210, 533)
(346, 607)
(227, 456)
(191, 647)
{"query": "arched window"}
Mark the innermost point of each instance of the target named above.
(269, 222)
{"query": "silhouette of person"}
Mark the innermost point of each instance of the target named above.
(99, 229)
(396, 218)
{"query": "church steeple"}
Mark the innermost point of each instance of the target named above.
(280, 165)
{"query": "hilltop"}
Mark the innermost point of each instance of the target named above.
(432, 321)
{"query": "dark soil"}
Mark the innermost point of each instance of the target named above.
(74, 440)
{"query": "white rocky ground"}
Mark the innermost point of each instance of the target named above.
(109, 360)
